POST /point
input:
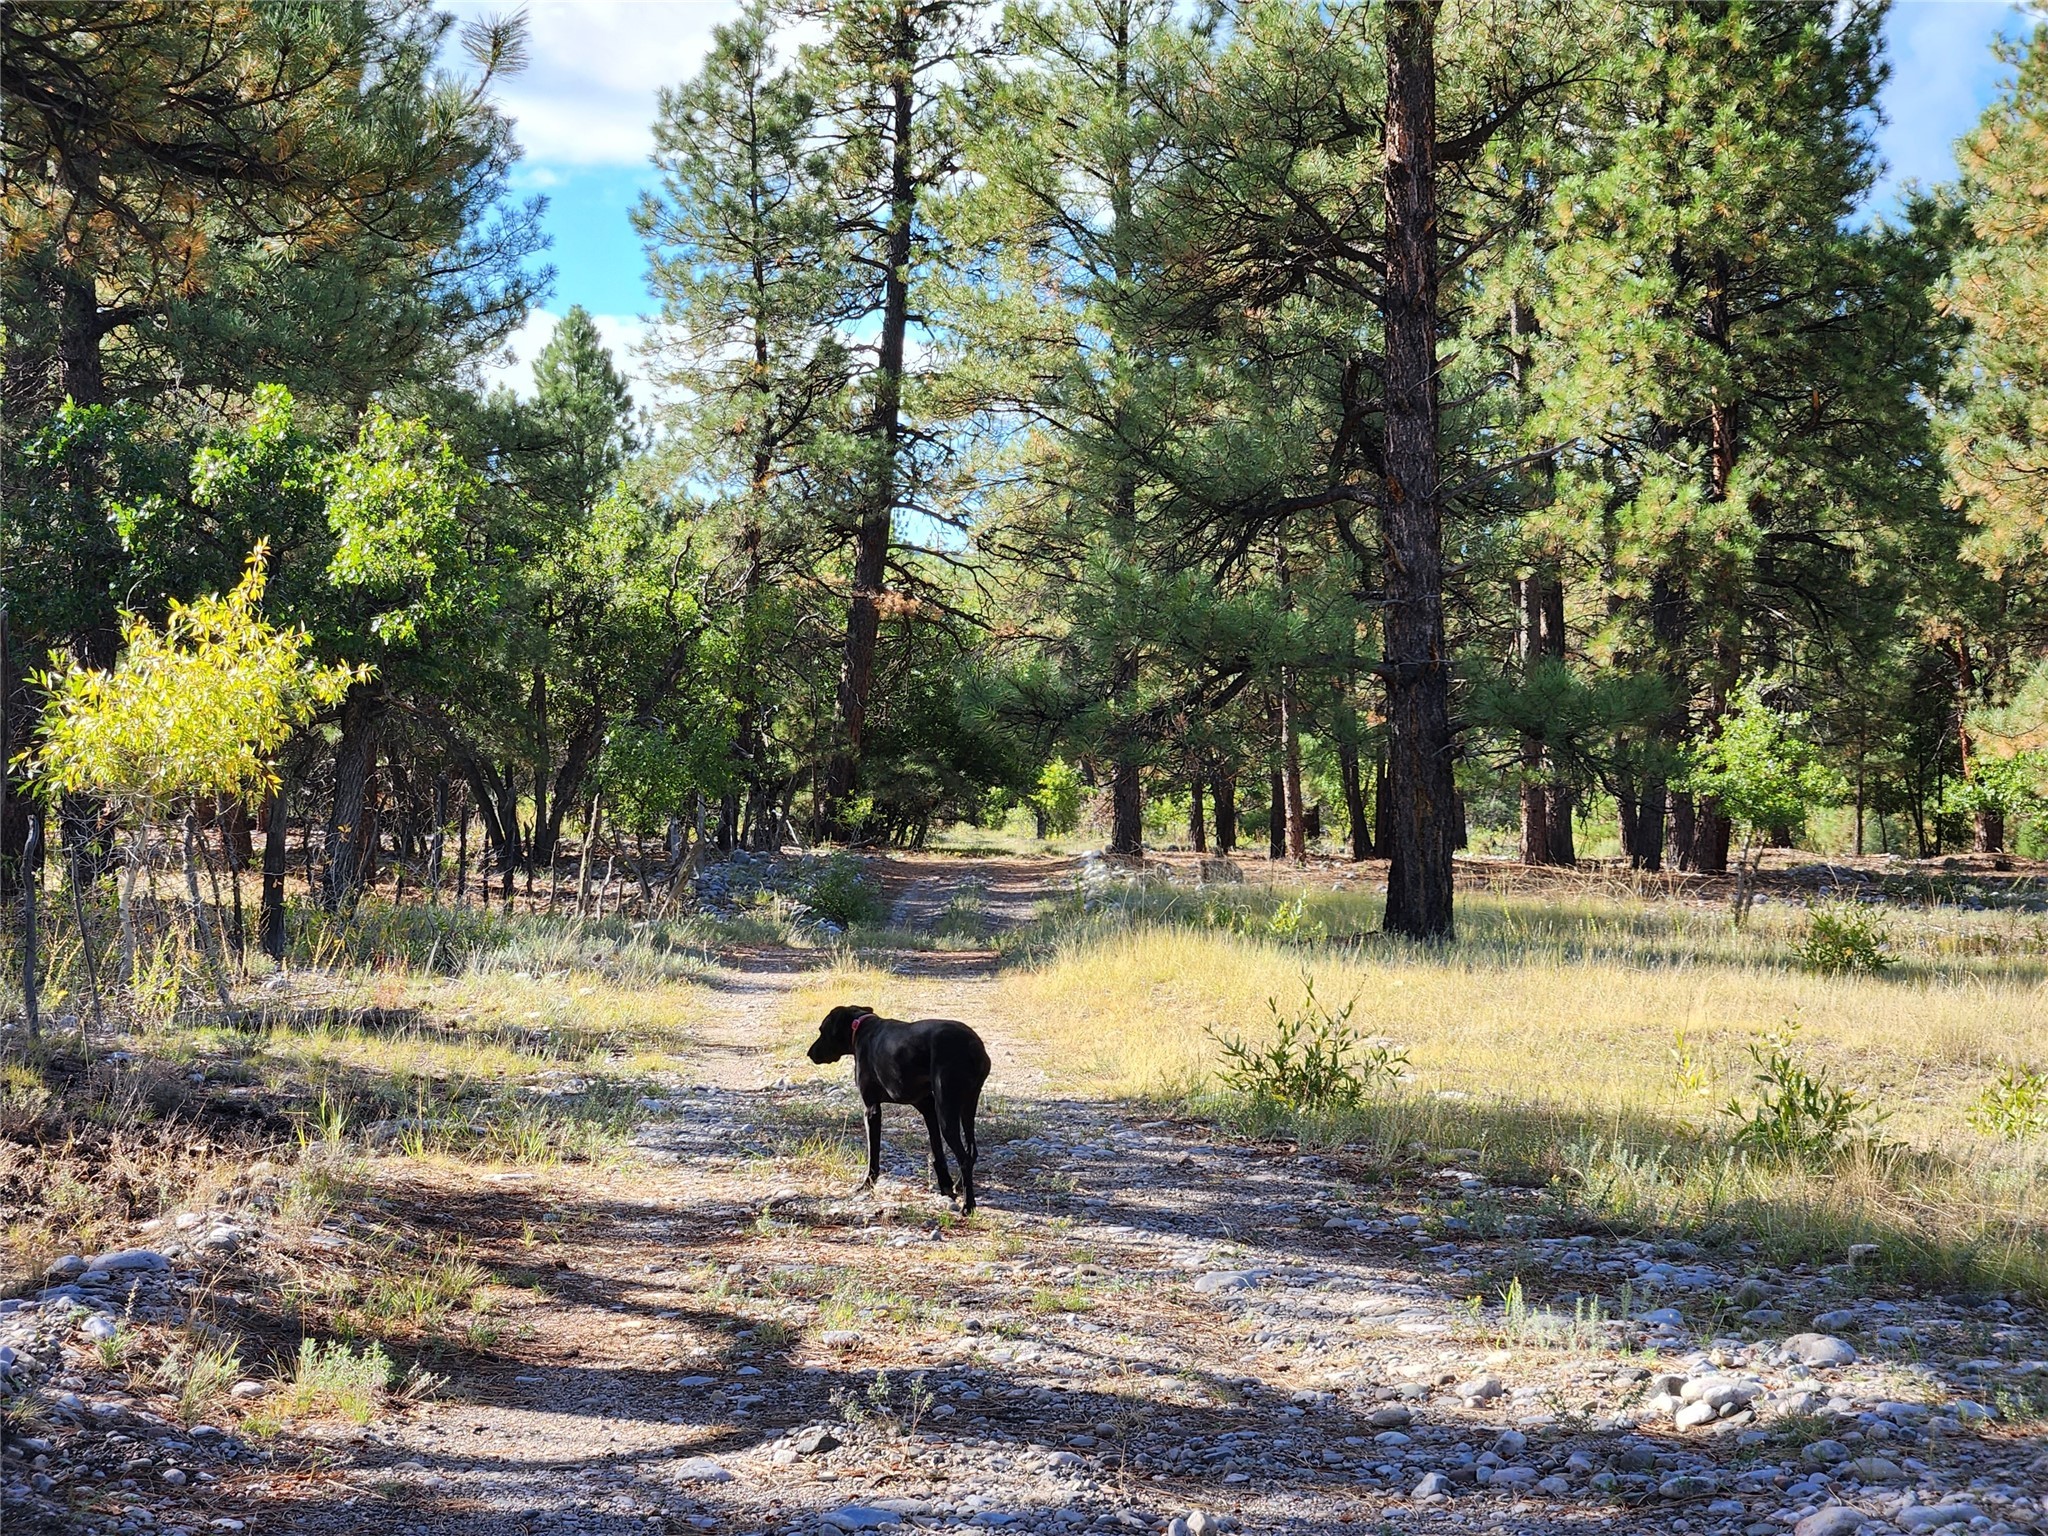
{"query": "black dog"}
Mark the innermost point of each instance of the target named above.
(937, 1065)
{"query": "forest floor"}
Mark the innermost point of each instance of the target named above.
(1150, 1319)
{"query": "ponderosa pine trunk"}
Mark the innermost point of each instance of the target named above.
(1535, 796)
(362, 717)
(1198, 832)
(1276, 815)
(1353, 783)
(1558, 801)
(1416, 658)
(1225, 796)
(1126, 784)
(884, 431)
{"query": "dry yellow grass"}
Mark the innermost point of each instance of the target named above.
(1597, 1042)
(1578, 1006)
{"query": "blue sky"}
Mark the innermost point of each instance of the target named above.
(585, 103)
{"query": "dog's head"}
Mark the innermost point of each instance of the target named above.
(835, 1034)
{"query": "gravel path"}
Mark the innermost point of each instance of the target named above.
(1148, 1324)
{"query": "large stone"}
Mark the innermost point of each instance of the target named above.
(1433, 1486)
(1835, 1520)
(1932, 1517)
(861, 1517)
(1819, 1349)
(1226, 1280)
(815, 1441)
(129, 1259)
(1873, 1469)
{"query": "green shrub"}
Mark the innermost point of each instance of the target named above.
(1799, 1116)
(333, 1378)
(1317, 1062)
(1290, 920)
(843, 892)
(1846, 940)
(2015, 1105)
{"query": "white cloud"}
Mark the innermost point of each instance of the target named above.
(1943, 70)
(586, 97)
(623, 334)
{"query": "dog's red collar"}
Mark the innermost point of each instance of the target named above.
(855, 1029)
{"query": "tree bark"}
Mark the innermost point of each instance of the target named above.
(1680, 826)
(1354, 798)
(1198, 831)
(362, 716)
(270, 907)
(1276, 814)
(1988, 831)
(1560, 798)
(1535, 818)
(1225, 786)
(1417, 661)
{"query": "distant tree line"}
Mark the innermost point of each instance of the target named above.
(1399, 414)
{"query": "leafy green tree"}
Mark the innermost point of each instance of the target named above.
(1765, 772)
(193, 710)
(411, 575)
(200, 203)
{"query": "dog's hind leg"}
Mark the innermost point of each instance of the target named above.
(957, 1103)
(942, 1179)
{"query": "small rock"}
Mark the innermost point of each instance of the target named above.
(70, 1267)
(815, 1441)
(1694, 1414)
(1687, 1485)
(839, 1338)
(1873, 1469)
(1226, 1280)
(1392, 1416)
(100, 1327)
(1481, 1389)
(245, 1390)
(1433, 1486)
(700, 1469)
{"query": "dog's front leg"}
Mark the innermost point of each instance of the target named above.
(874, 1144)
